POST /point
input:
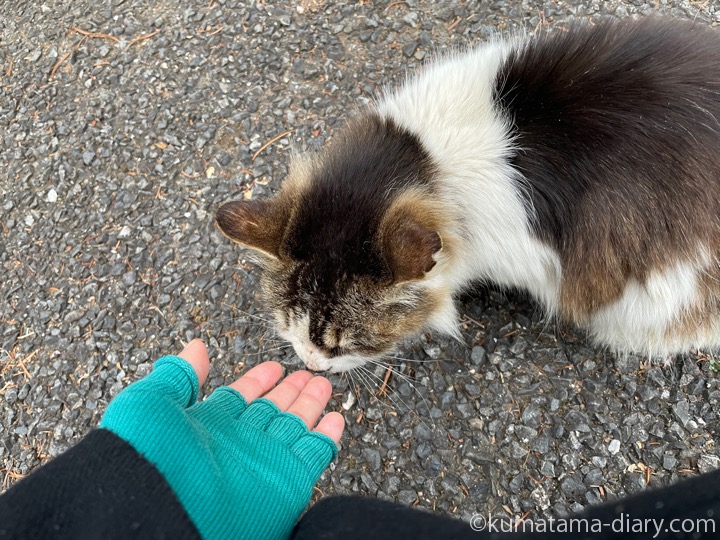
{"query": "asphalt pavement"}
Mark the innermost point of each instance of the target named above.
(125, 124)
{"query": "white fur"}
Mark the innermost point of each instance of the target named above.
(643, 318)
(450, 107)
(639, 319)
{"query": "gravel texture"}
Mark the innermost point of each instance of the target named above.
(121, 138)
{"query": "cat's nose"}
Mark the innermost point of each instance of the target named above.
(310, 362)
(311, 355)
(314, 368)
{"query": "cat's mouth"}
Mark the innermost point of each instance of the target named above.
(317, 361)
(342, 364)
(323, 364)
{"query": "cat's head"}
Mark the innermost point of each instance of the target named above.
(352, 250)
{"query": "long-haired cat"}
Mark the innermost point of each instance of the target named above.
(582, 166)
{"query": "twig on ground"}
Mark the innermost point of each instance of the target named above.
(137, 39)
(96, 35)
(264, 146)
(64, 57)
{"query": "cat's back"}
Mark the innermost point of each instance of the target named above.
(624, 114)
(637, 94)
(602, 59)
(617, 127)
(586, 160)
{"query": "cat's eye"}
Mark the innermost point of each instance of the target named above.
(352, 344)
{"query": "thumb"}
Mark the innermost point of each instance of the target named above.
(179, 377)
(196, 354)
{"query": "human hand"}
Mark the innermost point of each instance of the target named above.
(300, 393)
(242, 462)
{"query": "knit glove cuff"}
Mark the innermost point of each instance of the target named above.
(240, 471)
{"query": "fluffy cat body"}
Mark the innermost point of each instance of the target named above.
(582, 166)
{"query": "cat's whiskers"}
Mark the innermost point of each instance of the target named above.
(251, 315)
(361, 381)
(381, 384)
(268, 337)
(403, 377)
(252, 259)
(354, 387)
(413, 360)
(245, 319)
(238, 319)
(367, 377)
(265, 351)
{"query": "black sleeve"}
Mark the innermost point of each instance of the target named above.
(99, 489)
(689, 509)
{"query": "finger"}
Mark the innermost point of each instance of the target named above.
(332, 425)
(285, 393)
(256, 382)
(196, 354)
(311, 402)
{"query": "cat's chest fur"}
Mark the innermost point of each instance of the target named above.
(581, 166)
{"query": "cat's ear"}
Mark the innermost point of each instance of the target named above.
(412, 250)
(257, 224)
(409, 243)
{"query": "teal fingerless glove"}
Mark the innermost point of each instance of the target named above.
(239, 470)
